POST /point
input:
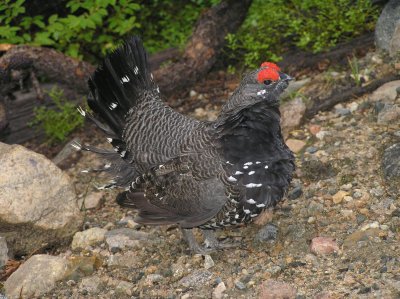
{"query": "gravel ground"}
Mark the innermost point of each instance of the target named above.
(337, 235)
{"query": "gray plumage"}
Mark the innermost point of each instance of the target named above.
(181, 170)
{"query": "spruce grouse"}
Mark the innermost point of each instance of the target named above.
(178, 170)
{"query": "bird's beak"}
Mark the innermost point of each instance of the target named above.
(285, 77)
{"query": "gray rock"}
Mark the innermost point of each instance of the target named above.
(88, 237)
(127, 259)
(311, 149)
(3, 252)
(91, 284)
(268, 233)
(295, 193)
(389, 114)
(90, 201)
(124, 288)
(391, 162)
(38, 275)
(292, 113)
(118, 239)
(240, 285)
(196, 279)
(208, 262)
(387, 30)
(343, 111)
(387, 93)
(272, 289)
(38, 202)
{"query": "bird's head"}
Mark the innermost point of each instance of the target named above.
(268, 80)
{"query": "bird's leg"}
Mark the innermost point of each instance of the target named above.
(211, 242)
(191, 240)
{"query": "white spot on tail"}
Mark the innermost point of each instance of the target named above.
(247, 211)
(237, 216)
(238, 173)
(136, 70)
(260, 205)
(253, 185)
(109, 139)
(266, 167)
(253, 215)
(76, 145)
(113, 105)
(251, 201)
(248, 163)
(125, 79)
(232, 179)
(123, 153)
(85, 171)
(81, 111)
(258, 162)
(151, 76)
(252, 172)
(108, 165)
(245, 167)
(158, 89)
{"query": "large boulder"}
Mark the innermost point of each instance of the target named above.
(37, 200)
(387, 30)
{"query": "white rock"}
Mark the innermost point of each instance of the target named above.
(90, 201)
(92, 284)
(38, 275)
(208, 262)
(88, 237)
(218, 291)
(37, 200)
(124, 237)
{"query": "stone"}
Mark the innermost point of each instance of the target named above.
(124, 288)
(291, 115)
(81, 266)
(352, 239)
(272, 289)
(153, 278)
(339, 196)
(91, 284)
(208, 262)
(38, 201)
(323, 245)
(38, 275)
(218, 291)
(240, 285)
(127, 259)
(197, 278)
(88, 238)
(268, 233)
(314, 129)
(391, 162)
(386, 93)
(387, 29)
(295, 193)
(311, 149)
(295, 145)
(90, 201)
(389, 114)
(342, 111)
(3, 252)
(118, 239)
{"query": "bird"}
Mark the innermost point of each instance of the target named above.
(176, 170)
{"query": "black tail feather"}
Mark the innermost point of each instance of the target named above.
(118, 83)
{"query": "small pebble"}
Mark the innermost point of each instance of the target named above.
(324, 245)
(208, 262)
(219, 290)
(240, 285)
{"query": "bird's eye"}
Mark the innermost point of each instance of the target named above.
(267, 82)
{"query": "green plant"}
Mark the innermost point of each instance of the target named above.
(311, 25)
(355, 70)
(93, 27)
(59, 122)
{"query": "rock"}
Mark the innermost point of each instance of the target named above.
(92, 284)
(291, 115)
(311, 149)
(386, 93)
(387, 30)
(81, 266)
(314, 129)
(127, 259)
(88, 237)
(3, 252)
(295, 145)
(272, 289)
(118, 239)
(38, 275)
(352, 239)
(124, 288)
(317, 170)
(153, 278)
(342, 111)
(295, 193)
(339, 196)
(91, 201)
(192, 93)
(324, 245)
(218, 291)
(240, 285)
(197, 278)
(389, 114)
(208, 262)
(128, 222)
(268, 233)
(391, 162)
(294, 86)
(38, 202)
(322, 134)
